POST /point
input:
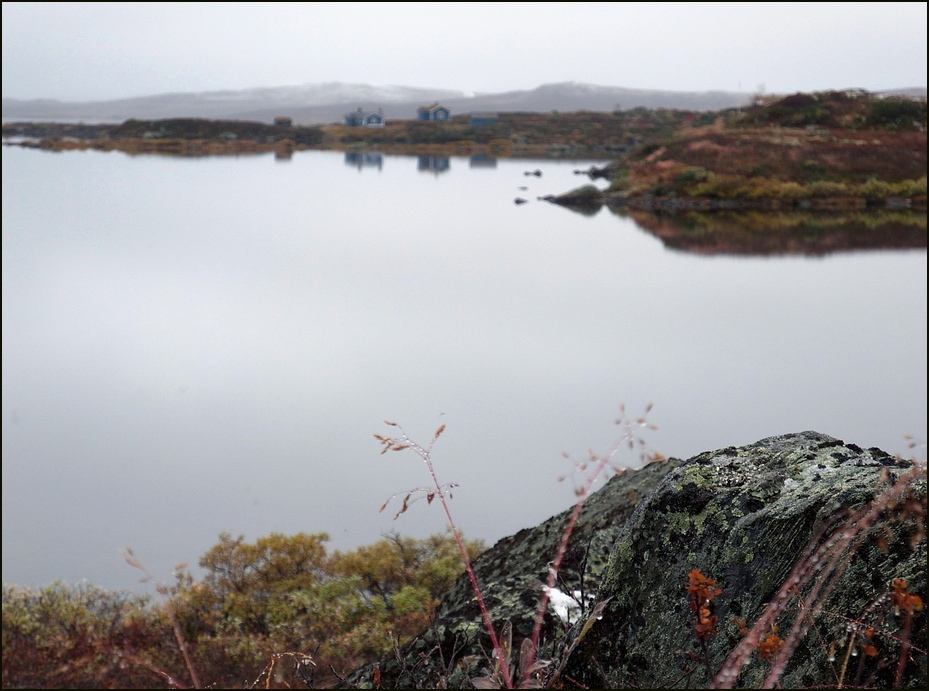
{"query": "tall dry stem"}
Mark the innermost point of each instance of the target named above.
(628, 439)
(439, 491)
(593, 468)
(172, 616)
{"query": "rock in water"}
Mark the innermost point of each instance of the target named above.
(588, 196)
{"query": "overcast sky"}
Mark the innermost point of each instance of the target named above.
(91, 51)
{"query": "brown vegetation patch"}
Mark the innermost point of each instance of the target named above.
(802, 156)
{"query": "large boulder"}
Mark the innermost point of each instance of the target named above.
(759, 520)
(833, 521)
(511, 575)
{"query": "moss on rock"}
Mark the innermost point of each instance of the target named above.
(741, 516)
(511, 575)
(744, 517)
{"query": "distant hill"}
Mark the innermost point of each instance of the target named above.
(311, 104)
(322, 103)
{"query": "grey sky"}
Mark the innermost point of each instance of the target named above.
(89, 51)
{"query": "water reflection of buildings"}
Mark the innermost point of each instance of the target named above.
(361, 159)
(433, 164)
(482, 161)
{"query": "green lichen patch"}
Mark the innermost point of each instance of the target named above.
(742, 517)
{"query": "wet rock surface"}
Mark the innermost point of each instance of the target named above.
(588, 197)
(744, 516)
(511, 575)
(741, 516)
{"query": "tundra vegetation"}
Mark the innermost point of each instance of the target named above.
(282, 606)
(839, 150)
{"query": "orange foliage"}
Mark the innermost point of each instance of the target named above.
(903, 599)
(702, 591)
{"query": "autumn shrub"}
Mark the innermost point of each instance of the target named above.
(689, 177)
(619, 182)
(63, 636)
(826, 188)
(644, 151)
(434, 133)
(721, 186)
(285, 593)
(279, 595)
(500, 146)
(875, 189)
(897, 113)
(910, 189)
(791, 191)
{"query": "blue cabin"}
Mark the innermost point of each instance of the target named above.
(434, 113)
(362, 119)
(374, 120)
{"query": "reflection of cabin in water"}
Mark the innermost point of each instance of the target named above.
(360, 118)
(433, 164)
(433, 113)
(362, 159)
(482, 161)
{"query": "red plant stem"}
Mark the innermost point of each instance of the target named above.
(904, 650)
(183, 646)
(706, 658)
(559, 556)
(426, 455)
(132, 657)
(485, 613)
(826, 581)
(172, 616)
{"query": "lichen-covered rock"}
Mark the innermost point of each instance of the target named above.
(744, 517)
(511, 574)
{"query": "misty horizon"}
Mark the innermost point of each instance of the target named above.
(313, 104)
(88, 52)
(909, 89)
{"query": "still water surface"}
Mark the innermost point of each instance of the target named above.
(201, 345)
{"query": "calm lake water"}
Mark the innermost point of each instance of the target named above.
(201, 345)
